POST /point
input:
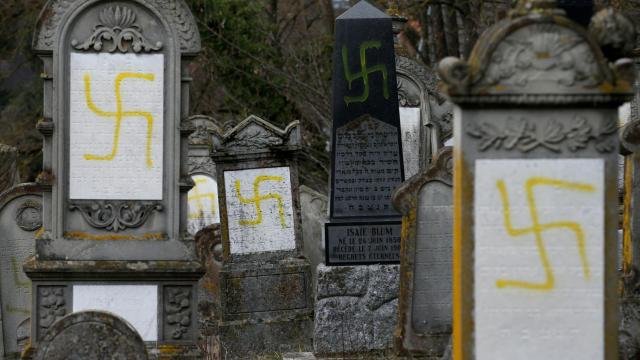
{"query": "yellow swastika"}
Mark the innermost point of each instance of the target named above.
(120, 114)
(257, 199)
(196, 198)
(537, 229)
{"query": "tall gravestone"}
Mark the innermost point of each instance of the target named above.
(535, 190)
(265, 284)
(115, 176)
(20, 220)
(426, 203)
(366, 143)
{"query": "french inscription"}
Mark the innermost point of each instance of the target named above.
(367, 168)
(355, 243)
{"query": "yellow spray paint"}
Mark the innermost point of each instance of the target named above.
(257, 199)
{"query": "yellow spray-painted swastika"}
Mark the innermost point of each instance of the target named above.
(196, 199)
(257, 199)
(119, 114)
(364, 72)
(537, 229)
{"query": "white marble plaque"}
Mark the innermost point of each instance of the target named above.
(138, 304)
(116, 126)
(539, 259)
(410, 127)
(259, 210)
(203, 203)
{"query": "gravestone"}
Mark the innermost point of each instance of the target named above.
(535, 190)
(366, 143)
(203, 197)
(9, 175)
(91, 335)
(266, 303)
(426, 203)
(314, 215)
(425, 114)
(115, 172)
(20, 219)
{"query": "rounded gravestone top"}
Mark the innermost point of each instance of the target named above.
(91, 335)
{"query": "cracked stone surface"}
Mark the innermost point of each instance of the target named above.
(356, 308)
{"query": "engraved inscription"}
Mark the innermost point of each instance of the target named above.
(367, 242)
(432, 291)
(367, 168)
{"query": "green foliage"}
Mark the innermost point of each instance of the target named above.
(239, 47)
(20, 85)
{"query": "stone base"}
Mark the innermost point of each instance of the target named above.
(266, 307)
(299, 356)
(164, 290)
(244, 340)
(356, 308)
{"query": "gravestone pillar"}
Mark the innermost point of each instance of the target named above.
(265, 286)
(115, 175)
(535, 190)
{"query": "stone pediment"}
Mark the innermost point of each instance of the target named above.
(175, 13)
(254, 134)
(536, 56)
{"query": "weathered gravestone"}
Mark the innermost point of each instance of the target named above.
(265, 286)
(9, 175)
(366, 144)
(314, 215)
(20, 219)
(115, 179)
(426, 202)
(535, 190)
(203, 197)
(425, 114)
(91, 335)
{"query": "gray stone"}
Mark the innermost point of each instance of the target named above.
(356, 308)
(20, 219)
(314, 214)
(426, 202)
(91, 335)
(299, 356)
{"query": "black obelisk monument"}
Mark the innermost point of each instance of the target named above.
(366, 147)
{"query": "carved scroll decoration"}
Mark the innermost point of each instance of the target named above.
(116, 215)
(118, 26)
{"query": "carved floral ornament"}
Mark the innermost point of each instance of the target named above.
(175, 12)
(525, 135)
(116, 215)
(118, 26)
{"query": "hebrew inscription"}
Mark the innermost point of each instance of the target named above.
(539, 258)
(260, 210)
(116, 126)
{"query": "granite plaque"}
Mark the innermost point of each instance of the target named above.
(431, 307)
(363, 243)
